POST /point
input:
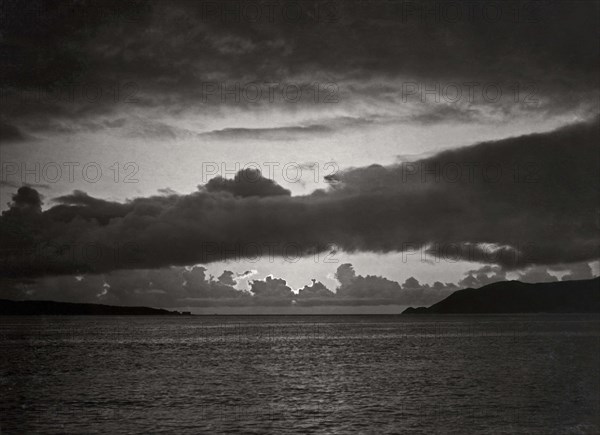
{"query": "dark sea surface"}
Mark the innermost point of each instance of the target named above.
(524, 374)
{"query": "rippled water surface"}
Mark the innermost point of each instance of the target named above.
(321, 374)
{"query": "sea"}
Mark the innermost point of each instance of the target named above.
(367, 374)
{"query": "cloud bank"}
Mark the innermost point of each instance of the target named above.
(517, 202)
(175, 56)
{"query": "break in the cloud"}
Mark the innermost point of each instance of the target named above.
(517, 202)
(193, 287)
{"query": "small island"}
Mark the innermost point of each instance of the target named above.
(518, 297)
(51, 308)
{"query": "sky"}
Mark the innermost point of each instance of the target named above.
(295, 153)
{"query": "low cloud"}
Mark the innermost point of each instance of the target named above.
(372, 288)
(246, 183)
(483, 276)
(514, 203)
(315, 290)
(270, 287)
(193, 287)
(578, 271)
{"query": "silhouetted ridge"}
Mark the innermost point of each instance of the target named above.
(518, 297)
(66, 308)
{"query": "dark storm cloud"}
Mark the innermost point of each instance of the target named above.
(353, 286)
(275, 288)
(80, 204)
(483, 276)
(366, 290)
(163, 52)
(198, 285)
(315, 290)
(537, 274)
(490, 273)
(167, 287)
(181, 286)
(10, 133)
(441, 113)
(528, 200)
(578, 271)
(246, 183)
(510, 202)
(27, 202)
(293, 133)
(184, 286)
(276, 133)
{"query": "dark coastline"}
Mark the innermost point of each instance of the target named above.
(506, 297)
(50, 308)
(512, 297)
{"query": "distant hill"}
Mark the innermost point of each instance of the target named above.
(30, 308)
(518, 297)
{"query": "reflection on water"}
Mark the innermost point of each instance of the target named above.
(313, 374)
